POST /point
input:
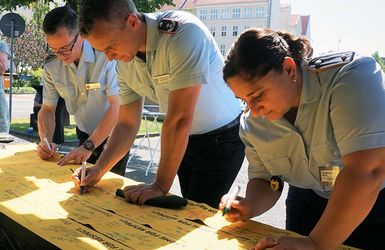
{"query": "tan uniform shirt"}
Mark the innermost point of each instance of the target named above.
(342, 110)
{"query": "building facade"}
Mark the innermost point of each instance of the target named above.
(226, 19)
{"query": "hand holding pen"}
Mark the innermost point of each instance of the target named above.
(47, 143)
(46, 150)
(232, 196)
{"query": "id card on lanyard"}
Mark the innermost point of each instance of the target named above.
(328, 174)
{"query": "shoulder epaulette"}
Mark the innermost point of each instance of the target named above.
(326, 62)
(49, 58)
(168, 25)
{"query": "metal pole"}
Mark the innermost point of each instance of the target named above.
(269, 3)
(11, 72)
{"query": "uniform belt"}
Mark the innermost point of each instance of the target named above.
(219, 130)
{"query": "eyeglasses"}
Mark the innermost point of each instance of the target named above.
(63, 51)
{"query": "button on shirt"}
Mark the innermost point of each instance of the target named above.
(187, 58)
(69, 82)
(341, 112)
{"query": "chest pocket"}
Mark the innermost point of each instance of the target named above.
(286, 157)
(280, 166)
(97, 93)
(69, 95)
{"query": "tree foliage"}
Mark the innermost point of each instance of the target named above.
(380, 60)
(29, 50)
(142, 5)
(147, 6)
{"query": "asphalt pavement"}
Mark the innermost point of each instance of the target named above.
(22, 106)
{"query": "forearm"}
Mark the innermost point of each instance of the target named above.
(348, 206)
(105, 127)
(46, 124)
(260, 194)
(174, 141)
(120, 142)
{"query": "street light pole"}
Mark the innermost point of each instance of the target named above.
(11, 72)
(12, 25)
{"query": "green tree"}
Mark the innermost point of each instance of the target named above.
(380, 60)
(142, 5)
(147, 6)
(29, 49)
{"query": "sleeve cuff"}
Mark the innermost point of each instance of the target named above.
(188, 81)
(128, 99)
(50, 102)
(369, 141)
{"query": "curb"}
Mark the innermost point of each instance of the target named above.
(35, 137)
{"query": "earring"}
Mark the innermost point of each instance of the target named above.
(294, 80)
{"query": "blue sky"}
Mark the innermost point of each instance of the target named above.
(344, 24)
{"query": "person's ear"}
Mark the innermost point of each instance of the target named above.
(290, 67)
(132, 22)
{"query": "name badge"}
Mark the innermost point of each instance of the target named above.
(161, 79)
(93, 85)
(328, 175)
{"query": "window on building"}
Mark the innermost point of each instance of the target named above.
(223, 50)
(261, 12)
(236, 13)
(225, 13)
(235, 30)
(212, 30)
(203, 14)
(223, 30)
(214, 14)
(248, 12)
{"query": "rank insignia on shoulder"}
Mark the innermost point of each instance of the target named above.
(326, 62)
(49, 58)
(168, 25)
(276, 183)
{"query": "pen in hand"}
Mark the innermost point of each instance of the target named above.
(232, 196)
(83, 175)
(47, 143)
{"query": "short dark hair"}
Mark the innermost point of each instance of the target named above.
(60, 17)
(103, 10)
(258, 50)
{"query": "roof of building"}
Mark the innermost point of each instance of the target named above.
(294, 19)
(222, 2)
(305, 21)
(180, 4)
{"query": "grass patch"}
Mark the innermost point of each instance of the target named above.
(22, 125)
(22, 90)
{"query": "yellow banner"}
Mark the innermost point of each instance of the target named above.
(40, 196)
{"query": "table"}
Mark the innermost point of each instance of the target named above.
(40, 207)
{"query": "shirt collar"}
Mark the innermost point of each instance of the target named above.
(88, 54)
(311, 89)
(152, 39)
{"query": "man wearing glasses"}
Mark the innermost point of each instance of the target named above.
(86, 80)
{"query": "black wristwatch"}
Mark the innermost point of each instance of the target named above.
(89, 145)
